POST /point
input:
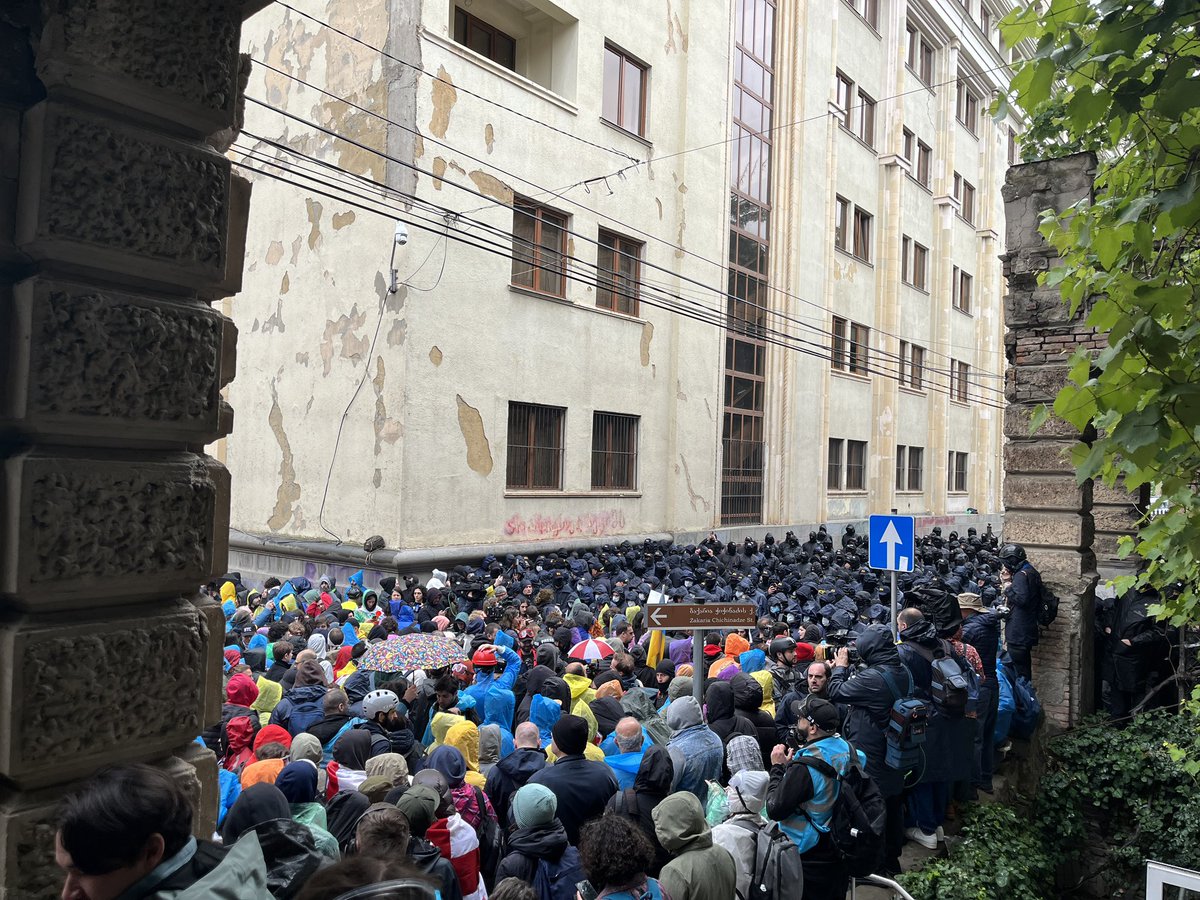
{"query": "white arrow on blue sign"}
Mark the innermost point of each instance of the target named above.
(893, 543)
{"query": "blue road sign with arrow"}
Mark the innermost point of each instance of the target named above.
(893, 543)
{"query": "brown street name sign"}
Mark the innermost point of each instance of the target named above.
(681, 616)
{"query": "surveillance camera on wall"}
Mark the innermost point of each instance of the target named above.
(401, 233)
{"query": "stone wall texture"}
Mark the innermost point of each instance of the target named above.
(1046, 509)
(119, 227)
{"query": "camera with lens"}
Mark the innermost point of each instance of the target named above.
(1002, 610)
(840, 639)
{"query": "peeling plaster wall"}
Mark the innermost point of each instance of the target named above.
(422, 454)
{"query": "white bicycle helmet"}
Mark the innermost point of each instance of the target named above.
(378, 702)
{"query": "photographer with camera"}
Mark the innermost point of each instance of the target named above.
(801, 796)
(867, 696)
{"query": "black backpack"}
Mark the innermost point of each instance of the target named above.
(491, 841)
(954, 685)
(1048, 609)
(778, 871)
(857, 823)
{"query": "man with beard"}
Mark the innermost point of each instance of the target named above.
(389, 729)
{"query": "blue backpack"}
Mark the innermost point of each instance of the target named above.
(558, 881)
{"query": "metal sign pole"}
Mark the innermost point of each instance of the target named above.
(895, 609)
(698, 666)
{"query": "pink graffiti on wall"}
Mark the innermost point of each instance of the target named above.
(595, 524)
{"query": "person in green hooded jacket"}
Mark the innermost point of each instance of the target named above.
(700, 869)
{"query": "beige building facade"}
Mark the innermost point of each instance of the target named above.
(716, 265)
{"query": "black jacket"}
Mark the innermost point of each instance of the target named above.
(510, 775)
(528, 846)
(582, 787)
(868, 699)
(721, 716)
(650, 786)
(277, 671)
(329, 726)
(1024, 597)
(428, 858)
(747, 700)
(982, 631)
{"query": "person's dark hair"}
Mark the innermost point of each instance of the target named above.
(276, 631)
(447, 684)
(359, 871)
(360, 650)
(390, 625)
(623, 664)
(383, 831)
(106, 823)
(398, 685)
(282, 650)
(614, 852)
(334, 697)
(575, 668)
(512, 888)
(271, 750)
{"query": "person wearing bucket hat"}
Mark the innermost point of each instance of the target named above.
(539, 837)
(981, 630)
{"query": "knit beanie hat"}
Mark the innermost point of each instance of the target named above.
(534, 805)
(570, 734)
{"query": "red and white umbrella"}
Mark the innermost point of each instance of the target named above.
(591, 649)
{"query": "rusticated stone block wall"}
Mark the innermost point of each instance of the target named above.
(1046, 510)
(120, 223)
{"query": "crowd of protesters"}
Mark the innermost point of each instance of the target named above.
(543, 767)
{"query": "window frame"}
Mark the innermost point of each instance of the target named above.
(834, 473)
(844, 89)
(924, 164)
(918, 56)
(954, 470)
(862, 227)
(843, 209)
(966, 107)
(608, 278)
(869, 12)
(960, 380)
(537, 267)
(911, 367)
(864, 119)
(850, 347)
(531, 448)
(624, 58)
(471, 20)
(962, 285)
(860, 483)
(604, 424)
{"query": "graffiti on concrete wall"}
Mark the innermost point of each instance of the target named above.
(597, 524)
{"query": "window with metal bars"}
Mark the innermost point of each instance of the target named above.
(535, 446)
(618, 276)
(614, 452)
(539, 248)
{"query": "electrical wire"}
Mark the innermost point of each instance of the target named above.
(580, 237)
(367, 371)
(494, 202)
(505, 251)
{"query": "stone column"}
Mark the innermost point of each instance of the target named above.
(1046, 510)
(120, 223)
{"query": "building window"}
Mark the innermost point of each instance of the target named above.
(919, 157)
(920, 55)
(852, 475)
(535, 446)
(485, 40)
(914, 263)
(868, 9)
(964, 193)
(960, 377)
(845, 98)
(539, 248)
(961, 285)
(910, 468)
(967, 107)
(850, 346)
(985, 21)
(624, 91)
(833, 478)
(841, 224)
(1012, 147)
(618, 275)
(614, 452)
(864, 119)
(862, 234)
(912, 365)
(956, 472)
